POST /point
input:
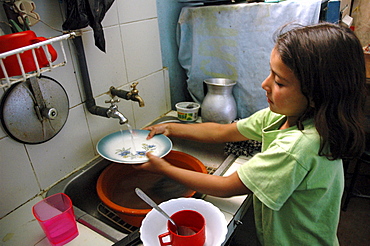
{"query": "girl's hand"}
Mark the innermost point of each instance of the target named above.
(154, 165)
(157, 129)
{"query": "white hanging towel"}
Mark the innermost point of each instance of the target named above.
(235, 41)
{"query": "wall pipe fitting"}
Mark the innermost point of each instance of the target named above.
(90, 101)
(112, 111)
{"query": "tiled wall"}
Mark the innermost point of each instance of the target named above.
(132, 54)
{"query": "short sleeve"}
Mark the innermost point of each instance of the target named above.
(272, 176)
(251, 127)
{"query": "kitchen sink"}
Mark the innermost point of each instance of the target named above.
(88, 208)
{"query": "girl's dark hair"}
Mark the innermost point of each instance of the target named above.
(328, 60)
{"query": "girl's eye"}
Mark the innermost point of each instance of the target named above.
(278, 84)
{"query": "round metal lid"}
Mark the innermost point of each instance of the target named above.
(34, 113)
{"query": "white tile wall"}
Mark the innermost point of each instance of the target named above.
(25, 231)
(18, 182)
(142, 48)
(111, 17)
(105, 69)
(65, 152)
(132, 54)
(135, 10)
(154, 94)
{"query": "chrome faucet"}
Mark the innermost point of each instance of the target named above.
(113, 112)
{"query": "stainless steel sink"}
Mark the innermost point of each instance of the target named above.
(81, 186)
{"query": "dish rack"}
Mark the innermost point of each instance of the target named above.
(7, 81)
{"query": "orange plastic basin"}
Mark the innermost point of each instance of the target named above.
(116, 187)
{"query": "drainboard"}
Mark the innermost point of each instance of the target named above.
(81, 187)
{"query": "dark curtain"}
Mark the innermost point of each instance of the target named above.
(81, 13)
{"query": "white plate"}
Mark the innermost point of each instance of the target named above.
(155, 224)
(120, 146)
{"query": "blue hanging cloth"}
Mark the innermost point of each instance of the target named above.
(81, 13)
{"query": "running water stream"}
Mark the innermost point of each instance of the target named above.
(133, 151)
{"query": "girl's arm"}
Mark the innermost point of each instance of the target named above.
(201, 132)
(201, 182)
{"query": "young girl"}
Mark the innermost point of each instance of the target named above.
(316, 93)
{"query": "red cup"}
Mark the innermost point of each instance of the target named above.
(185, 218)
(56, 217)
(21, 39)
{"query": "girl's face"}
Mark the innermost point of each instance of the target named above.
(283, 90)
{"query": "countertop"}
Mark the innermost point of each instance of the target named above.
(21, 228)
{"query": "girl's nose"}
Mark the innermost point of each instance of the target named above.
(265, 84)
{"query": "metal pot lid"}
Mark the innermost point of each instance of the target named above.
(34, 111)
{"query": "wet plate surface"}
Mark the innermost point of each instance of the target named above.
(127, 148)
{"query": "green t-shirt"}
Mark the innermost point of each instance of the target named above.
(296, 192)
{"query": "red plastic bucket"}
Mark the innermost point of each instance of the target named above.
(17, 40)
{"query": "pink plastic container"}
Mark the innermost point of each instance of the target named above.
(56, 217)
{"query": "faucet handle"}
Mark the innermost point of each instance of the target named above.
(134, 91)
(133, 85)
(112, 101)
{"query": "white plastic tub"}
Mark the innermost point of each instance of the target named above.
(187, 111)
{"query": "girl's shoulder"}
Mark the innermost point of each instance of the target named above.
(265, 116)
(253, 126)
(302, 145)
